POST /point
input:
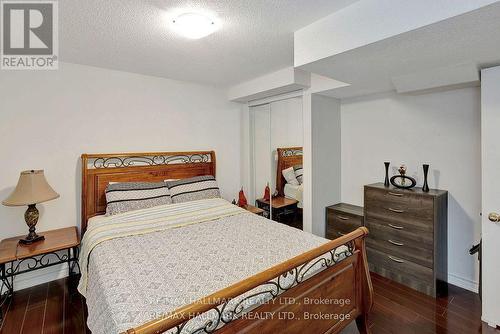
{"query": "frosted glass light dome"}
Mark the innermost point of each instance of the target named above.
(194, 26)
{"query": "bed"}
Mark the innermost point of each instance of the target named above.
(208, 266)
(289, 157)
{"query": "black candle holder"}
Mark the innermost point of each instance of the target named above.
(425, 187)
(386, 182)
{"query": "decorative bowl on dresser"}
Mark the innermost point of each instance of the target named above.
(342, 218)
(408, 235)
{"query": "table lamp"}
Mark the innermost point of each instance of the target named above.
(32, 188)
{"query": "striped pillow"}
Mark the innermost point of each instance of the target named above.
(192, 189)
(127, 196)
(298, 173)
(289, 175)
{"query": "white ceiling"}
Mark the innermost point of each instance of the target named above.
(130, 35)
(469, 39)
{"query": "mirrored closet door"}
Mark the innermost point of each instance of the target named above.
(276, 138)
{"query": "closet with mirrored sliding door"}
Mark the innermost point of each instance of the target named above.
(276, 159)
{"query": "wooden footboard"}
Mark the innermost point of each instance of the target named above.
(324, 303)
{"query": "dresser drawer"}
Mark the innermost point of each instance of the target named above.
(423, 220)
(397, 202)
(408, 231)
(408, 209)
(339, 223)
(396, 198)
(337, 229)
(343, 219)
(406, 272)
(402, 244)
(332, 233)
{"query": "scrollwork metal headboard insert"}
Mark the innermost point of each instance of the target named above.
(155, 160)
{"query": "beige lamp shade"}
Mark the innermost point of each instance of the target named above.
(32, 188)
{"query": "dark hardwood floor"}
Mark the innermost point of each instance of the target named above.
(57, 307)
(400, 310)
(51, 308)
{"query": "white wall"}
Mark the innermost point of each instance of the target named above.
(326, 151)
(49, 118)
(442, 129)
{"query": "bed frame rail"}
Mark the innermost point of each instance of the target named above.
(324, 303)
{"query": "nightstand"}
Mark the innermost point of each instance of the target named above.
(59, 246)
(343, 218)
(282, 208)
(254, 209)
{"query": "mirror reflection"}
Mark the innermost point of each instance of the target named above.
(276, 131)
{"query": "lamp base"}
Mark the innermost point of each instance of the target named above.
(31, 218)
(29, 241)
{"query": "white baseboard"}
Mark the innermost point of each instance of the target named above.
(40, 276)
(464, 283)
(490, 323)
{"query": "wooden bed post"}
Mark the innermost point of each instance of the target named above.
(366, 286)
(83, 218)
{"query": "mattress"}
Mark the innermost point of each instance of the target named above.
(294, 192)
(134, 279)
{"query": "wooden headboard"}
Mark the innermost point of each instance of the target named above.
(287, 157)
(100, 169)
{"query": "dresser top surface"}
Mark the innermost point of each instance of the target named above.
(348, 208)
(416, 190)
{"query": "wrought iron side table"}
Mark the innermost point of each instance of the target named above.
(59, 246)
(282, 207)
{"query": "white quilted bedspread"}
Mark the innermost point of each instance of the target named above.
(137, 278)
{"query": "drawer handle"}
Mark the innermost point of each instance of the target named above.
(343, 218)
(396, 210)
(395, 259)
(395, 243)
(396, 227)
(395, 194)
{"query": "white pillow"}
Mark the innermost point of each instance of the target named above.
(289, 175)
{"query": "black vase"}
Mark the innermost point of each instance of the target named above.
(386, 182)
(425, 187)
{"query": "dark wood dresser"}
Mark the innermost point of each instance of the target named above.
(408, 235)
(342, 218)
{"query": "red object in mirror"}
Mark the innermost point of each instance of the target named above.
(242, 200)
(267, 193)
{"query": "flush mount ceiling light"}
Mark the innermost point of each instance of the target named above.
(193, 25)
